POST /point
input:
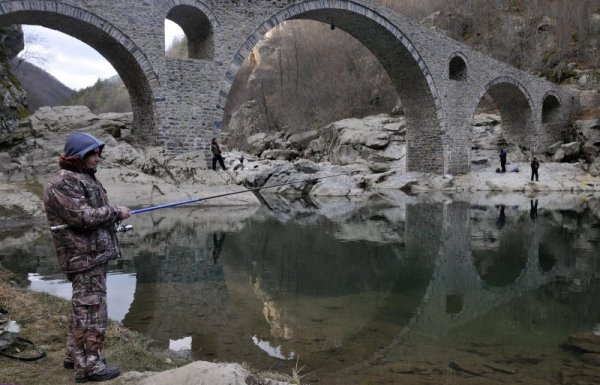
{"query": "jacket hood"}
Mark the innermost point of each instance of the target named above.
(79, 144)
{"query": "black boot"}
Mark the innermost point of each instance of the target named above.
(103, 375)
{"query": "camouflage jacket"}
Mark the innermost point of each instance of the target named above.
(79, 200)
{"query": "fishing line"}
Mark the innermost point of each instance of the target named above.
(125, 228)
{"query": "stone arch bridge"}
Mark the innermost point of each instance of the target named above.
(179, 103)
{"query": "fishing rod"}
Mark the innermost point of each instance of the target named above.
(125, 228)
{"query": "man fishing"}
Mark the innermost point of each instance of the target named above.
(85, 243)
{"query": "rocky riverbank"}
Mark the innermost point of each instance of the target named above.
(350, 158)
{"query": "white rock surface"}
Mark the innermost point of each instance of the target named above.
(196, 373)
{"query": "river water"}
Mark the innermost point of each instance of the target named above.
(393, 289)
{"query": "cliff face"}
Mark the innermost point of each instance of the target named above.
(13, 99)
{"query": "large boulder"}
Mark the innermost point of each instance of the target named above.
(300, 140)
(567, 152)
(553, 148)
(34, 146)
(245, 119)
(257, 143)
(587, 342)
(486, 120)
(62, 119)
(359, 140)
(588, 129)
(594, 168)
(280, 154)
(17, 202)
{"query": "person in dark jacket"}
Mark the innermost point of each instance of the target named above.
(503, 154)
(535, 165)
(74, 197)
(217, 155)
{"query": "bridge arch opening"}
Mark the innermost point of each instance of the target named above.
(503, 119)
(302, 76)
(126, 58)
(198, 30)
(457, 69)
(398, 57)
(550, 109)
(504, 264)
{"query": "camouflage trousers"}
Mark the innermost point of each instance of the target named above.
(87, 322)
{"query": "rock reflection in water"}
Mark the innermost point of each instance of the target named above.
(365, 292)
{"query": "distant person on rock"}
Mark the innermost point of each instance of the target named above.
(217, 155)
(535, 165)
(74, 197)
(503, 154)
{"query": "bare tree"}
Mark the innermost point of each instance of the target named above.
(32, 52)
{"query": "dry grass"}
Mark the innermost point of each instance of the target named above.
(293, 378)
(42, 318)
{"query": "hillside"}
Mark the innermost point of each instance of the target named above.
(541, 36)
(106, 95)
(42, 88)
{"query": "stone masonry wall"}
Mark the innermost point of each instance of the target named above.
(180, 103)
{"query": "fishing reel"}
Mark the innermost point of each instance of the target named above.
(123, 228)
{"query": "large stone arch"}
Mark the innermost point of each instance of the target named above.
(516, 110)
(126, 57)
(198, 22)
(400, 58)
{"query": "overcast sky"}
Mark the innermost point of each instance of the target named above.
(74, 63)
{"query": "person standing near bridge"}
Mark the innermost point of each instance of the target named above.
(217, 155)
(535, 165)
(73, 196)
(503, 155)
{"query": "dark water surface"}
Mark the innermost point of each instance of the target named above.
(393, 290)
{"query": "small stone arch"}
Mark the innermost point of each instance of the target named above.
(551, 107)
(198, 22)
(515, 107)
(125, 56)
(402, 61)
(457, 67)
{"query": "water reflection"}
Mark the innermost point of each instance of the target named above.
(218, 240)
(533, 209)
(120, 295)
(381, 281)
(501, 217)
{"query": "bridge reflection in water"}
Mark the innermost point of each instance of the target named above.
(362, 285)
(364, 291)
